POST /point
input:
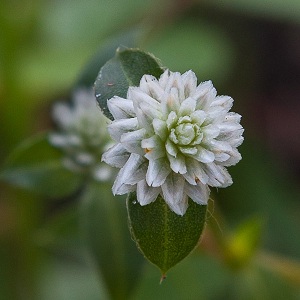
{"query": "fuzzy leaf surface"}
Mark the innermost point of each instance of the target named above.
(164, 237)
(125, 69)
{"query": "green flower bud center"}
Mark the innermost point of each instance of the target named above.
(184, 133)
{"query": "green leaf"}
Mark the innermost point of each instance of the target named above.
(36, 165)
(164, 237)
(125, 69)
(104, 227)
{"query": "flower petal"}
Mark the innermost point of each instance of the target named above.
(189, 82)
(160, 128)
(227, 127)
(223, 101)
(188, 150)
(203, 155)
(145, 193)
(171, 148)
(221, 157)
(121, 108)
(153, 147)
(215, 115)
(178, 84)
(187, 107)
(102, 172)
(139, 97)
(219, 146)
(195, 172)
(164, 78)
(198, 193)
(146, 107)
(169, 102)
(177, 163)
(235, 139)
(233, 117)
(154, 89)
(116, 156)
(172, 119)
(157, 172)
(122, 189)
(235, 157)
(173, 193)
(198, 117)
(132, 172)
(205, 94)
(145, 121)
(150, 142)
(218, 175)
(174, 80)
(131, 141)
(118, 127)
(210, 131)
(180, 207)
(63, 115)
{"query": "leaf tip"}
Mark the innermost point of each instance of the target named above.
(162, 278)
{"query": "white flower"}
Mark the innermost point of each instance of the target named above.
(173, 138)
(82, 135)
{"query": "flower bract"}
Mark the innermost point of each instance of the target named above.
(82, 135)
(174, 138)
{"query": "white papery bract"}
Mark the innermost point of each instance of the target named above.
(82, 135)
(174, 138)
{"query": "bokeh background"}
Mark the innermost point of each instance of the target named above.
(250, 50)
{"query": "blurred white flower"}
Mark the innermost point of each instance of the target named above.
(173, 138)
(82, 135)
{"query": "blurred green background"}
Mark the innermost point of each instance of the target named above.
(251, 51)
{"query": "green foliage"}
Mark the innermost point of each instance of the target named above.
(164, 237)
(103, 222)
(37, 166)
(125, 69)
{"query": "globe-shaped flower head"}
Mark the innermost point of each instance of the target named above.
(82, 135)
(173, 138)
